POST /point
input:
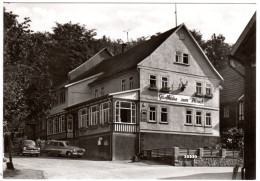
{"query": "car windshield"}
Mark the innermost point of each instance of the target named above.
(29, 143)
(67, 143)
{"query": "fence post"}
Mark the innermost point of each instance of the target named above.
(223, 153)
(201, 152)
(149, 154)
(175, 156)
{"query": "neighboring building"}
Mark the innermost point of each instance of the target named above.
(232, 96)
(244, 52)
(161, 93)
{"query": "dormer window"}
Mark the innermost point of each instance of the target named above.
(123, 81)
(96, 93)
(182, 58)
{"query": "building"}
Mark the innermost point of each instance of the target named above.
(161, 93)
(232, 96)
(244, 52)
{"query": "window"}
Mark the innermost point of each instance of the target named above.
(178, 57)
(185, 58)
(164, 82)
(198, 88)
(182, 58)
(208, 119)
(123, 85)
(188, 117)
(55, 125)
(70, 123)
(208, 89)
(49, 127)
(105, 112)
(131, 82)
(102, 92)
(152, 114)
(95, 93)
(241, 115)
(164, 115)
(125, 112)
(83, 118)
(61, 123)
(94, 115)
(226, 112)
(198, 118)
(152, 81)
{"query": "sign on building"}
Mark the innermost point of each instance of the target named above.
(181, 99)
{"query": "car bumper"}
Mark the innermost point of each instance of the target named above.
(33, 152)
(77, 153)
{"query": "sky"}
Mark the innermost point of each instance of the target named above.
(114, 20)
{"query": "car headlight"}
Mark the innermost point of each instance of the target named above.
(24, 148)
(38, 148)
(74, 150)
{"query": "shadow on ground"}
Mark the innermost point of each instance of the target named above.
(207, 176)
(23, 174)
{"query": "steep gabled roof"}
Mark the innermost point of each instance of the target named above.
(129, 59)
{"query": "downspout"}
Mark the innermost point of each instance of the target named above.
(139, 130)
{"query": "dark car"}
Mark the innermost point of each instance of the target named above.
(28, 147)
(63, 148)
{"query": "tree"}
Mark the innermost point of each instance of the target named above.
(233, 138)
(198, 37)
(27, 86)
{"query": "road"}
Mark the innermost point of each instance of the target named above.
(76, 168)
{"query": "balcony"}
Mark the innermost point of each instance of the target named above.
(125, 127)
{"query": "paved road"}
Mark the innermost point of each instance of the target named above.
(75, 168)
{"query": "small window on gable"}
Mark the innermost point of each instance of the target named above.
(185, 58)
(178, 57)
(181, 36)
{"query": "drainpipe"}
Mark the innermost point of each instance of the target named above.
(139, 133)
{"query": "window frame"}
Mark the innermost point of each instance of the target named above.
(132, 109)
(123, 84)
(164, 82)
(95, 93)
(180, 57)
(208, 87)
(206, 119)
(191, 117)
(131, 82)
(201, 87)
(154, 112)
(241, 110)
(198, 116)
(102, 91)
(152, 79)
(161, 115)
(105, 113)
(70, 119)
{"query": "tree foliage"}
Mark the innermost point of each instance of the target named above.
(233, 138)
(27, 86)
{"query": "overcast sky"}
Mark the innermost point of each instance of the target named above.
(140, 19)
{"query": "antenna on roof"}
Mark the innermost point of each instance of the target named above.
(175, 15)
(126, 31)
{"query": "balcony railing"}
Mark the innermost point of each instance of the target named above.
(125, 127)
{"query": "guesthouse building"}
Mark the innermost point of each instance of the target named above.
(161, 93)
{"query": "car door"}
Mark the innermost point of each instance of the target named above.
(62, 148)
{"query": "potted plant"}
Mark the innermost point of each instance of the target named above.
(165, 89)
(209, 95)
(153, 87)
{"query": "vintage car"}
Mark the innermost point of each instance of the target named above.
(63, 148)
(28, 147)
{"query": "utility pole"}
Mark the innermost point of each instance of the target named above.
(176, 15)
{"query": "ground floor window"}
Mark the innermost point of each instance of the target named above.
(49, 127)
(83, 118)
(188, 117)
(61, 124)
(208, 119)
(125, 112)
(94, 115)
(152, 113)
(241, 115)
(198, 118)
(164, 115)
(55, 125)
(105, 112)
(69, 123)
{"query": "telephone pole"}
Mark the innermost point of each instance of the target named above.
(175, 15)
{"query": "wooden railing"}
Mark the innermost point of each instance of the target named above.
(125, 127)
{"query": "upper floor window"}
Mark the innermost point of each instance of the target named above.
(69, 123)
(102, 92)
(123, 86)
(198, 118)
(152, 80)
(226, 112)
(208, 89)
(241, 115)
(188, 117)
(131, 82)
(182, 58)
(62, 96)
(164, 115)
(208, 119)
(164, 82)
(199, 88)
(95, 93)
(125, 112)
(152, 113)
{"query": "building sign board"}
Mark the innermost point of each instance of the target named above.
(180, 99)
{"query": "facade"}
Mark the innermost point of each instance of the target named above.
(244, 52)
(232, 96)
(161, 93)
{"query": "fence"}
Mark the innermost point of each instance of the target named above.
(201, 153)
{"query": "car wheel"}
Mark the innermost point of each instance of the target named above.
(69, 154)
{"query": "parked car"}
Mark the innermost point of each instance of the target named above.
(28, 147)
(63, 148)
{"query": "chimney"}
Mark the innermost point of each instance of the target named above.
(124, 47)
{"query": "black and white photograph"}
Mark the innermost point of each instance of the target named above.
(128, 90)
